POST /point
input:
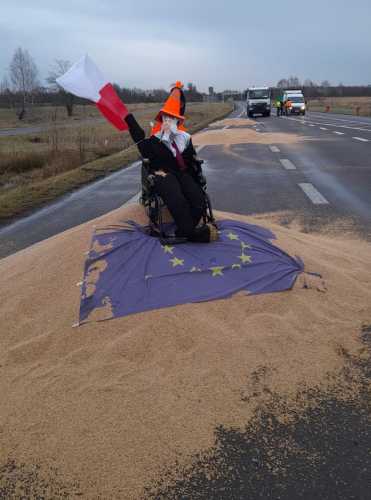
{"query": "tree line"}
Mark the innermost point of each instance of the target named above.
(314, 90)
(20, 88)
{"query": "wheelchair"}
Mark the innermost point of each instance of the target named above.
(154, 204)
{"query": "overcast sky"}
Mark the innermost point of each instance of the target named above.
(227, 44)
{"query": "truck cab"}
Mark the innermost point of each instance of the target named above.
(258, 101)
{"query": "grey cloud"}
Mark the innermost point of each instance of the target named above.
(225, 44)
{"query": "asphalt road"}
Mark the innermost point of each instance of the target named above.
(332, 165)
(322, 180)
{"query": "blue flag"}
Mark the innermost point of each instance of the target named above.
(131, 272)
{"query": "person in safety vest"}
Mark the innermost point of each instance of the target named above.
(288, 106)
(171, 153)
(278, 107)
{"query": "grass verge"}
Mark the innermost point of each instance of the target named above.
(26, 197)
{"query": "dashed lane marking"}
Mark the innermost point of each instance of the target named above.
(323, 128)
(360, 139)
(362, 129)
(313, 194)
(274, 149)
(287, 164)
(338, 133)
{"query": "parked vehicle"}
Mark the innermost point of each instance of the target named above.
(297, 101)
(258, 101)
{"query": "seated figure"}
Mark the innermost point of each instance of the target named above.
(171, 153)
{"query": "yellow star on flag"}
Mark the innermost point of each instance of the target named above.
(244, 258)
(168, 248)
(177, 262)
(217, 270)
(245, 245)
(236, 266)
(232, 236)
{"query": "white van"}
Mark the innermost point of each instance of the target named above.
(297, 101)
(258, 101)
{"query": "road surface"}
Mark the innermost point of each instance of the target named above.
(324, 180)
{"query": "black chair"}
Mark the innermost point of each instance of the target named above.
(154, 204)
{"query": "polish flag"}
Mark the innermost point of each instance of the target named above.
(84, 79)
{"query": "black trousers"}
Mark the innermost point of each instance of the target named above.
(184, 198)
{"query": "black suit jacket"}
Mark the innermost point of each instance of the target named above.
(159, 155)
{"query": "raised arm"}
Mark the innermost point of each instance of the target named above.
(139, 137)
(136, 131)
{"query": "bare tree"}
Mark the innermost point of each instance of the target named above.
(60, 67)
(294, 81)
(24, 76)
(309, 83)
(5, 92)
(325, 83)
(282, 83)
(4, 85)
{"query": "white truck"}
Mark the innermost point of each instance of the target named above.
(258, 101)
(297, 101)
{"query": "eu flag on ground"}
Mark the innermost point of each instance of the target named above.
(128, 271)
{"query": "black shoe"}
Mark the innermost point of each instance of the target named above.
(204, 234)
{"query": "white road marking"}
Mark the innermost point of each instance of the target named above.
(198, 149)
(311, 125)
(315, 196)
(320, 116)
(338, 133)
(360, 139)
(287, 164)
(274, 149)
(323, 128)
(362, 129)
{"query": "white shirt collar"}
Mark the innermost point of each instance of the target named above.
(181, 139)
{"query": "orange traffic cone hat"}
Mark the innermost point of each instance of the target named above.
(174, 106)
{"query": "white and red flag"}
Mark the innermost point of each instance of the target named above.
(84, 79)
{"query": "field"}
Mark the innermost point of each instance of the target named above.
(348, 105)
(69, 152)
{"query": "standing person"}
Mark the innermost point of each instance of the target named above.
(278, 107)
(282, 106)
(288, 106)
(171, 153)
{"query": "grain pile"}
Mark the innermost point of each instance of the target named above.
(108, 405)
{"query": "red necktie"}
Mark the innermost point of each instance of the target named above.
(179, 157)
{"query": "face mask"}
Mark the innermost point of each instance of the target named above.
(172, 122)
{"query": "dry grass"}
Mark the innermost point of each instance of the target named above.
(348, 105)
(38, 115)
(35, 169)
